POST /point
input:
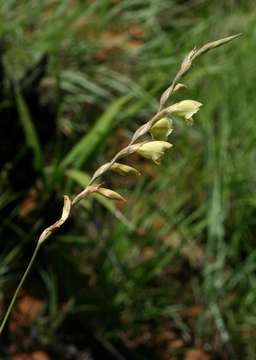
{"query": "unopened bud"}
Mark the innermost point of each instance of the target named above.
(110, 194)
(122, 169)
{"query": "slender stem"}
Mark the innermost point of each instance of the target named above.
(14, 298)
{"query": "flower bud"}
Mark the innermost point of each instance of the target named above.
(110, 194)
(161, 129)
(122, 169)
(153, 150)
(185, 109)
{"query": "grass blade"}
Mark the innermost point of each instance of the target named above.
(30, 133)
(91, 141)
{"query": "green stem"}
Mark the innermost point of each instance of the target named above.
(19, 287)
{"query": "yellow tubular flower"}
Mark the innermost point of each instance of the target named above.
(185, 109)
(153, 150)
(161, 129)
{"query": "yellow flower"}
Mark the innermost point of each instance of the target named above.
(153, 150)
(161, 129)
(185, 109)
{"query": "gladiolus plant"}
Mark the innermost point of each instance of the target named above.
(159, 127)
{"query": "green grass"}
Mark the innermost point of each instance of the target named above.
(186, 235)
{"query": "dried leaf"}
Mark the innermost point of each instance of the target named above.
(142, 130)
(88, 190)
(187, 62)
(130, 149)
(101, 170)
(65, 214)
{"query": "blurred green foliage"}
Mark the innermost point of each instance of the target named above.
(178, 261)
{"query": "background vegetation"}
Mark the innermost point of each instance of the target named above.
(170, 275)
